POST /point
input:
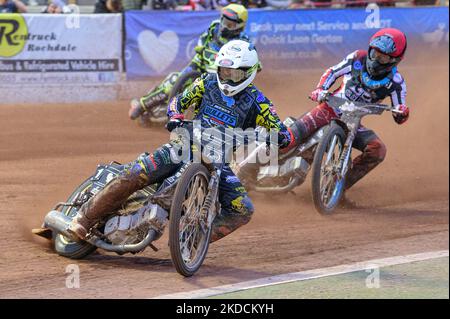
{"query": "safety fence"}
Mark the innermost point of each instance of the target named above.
(65, 49)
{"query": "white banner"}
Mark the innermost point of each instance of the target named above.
(69, 48)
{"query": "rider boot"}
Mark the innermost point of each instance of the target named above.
(106, 201)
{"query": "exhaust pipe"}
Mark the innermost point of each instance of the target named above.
(58, 222)
(279, 189)
(126, 248)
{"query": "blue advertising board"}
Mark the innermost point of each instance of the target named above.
(161, 42)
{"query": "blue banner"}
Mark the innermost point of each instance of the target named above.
(287, 40)
(160, 42)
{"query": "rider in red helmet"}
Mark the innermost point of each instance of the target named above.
(386, 49)
(368, 76)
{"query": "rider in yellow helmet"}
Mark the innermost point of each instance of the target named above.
(232, 21)
(230, 26)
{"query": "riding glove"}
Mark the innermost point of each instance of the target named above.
(318, 95)
(402, 115)
(174, 122)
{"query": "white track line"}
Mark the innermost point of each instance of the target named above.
(305, 275)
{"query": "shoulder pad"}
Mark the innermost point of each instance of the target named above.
(398, 78)
(214, 24)
(360, 54)
(357, 57)
(256, 93)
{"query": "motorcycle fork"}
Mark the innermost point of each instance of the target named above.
(345, 156)
(347, 149)
(209, 209)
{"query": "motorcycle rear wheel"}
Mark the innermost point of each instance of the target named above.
(189, 234)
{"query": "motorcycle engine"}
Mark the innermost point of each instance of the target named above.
(132, 228)
(292, 166)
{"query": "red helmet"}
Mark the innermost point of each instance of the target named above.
(386, 49)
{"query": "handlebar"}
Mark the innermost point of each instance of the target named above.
(338, 102)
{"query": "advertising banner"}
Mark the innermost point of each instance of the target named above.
(287, 40)
(319, 38)
(44, 49)
(158, 42)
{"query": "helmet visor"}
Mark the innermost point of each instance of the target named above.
(381, 58)
(232, 76)
(227, 24)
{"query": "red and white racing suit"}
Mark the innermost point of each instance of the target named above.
(356, 86)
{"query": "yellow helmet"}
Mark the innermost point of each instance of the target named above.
(233, 20)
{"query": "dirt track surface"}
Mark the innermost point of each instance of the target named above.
(46, 151)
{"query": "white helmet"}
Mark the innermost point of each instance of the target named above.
(237, 63)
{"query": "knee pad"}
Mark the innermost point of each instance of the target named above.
(135, 170)
(156, 160)
(145, 164)
(244, 206)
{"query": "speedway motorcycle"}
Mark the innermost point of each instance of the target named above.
(187, 202)
(327, 153)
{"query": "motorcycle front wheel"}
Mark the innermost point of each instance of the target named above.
(327, 186)
(189, 233)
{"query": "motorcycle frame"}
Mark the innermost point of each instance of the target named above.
(350, 120)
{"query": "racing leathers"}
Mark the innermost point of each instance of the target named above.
(358, 86)
(247, 109)
(207, 47)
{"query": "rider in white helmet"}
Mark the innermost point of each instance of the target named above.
(237, 64)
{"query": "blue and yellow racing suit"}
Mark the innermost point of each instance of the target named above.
(247, 109)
